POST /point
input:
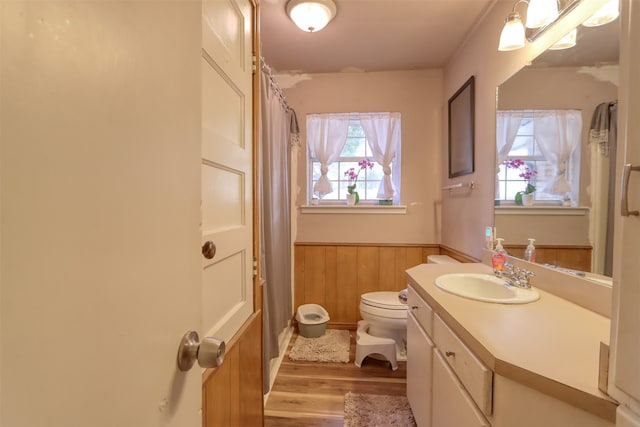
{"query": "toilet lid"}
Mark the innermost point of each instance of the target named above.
(383, 299)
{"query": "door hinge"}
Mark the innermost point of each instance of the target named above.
(255, 267)
(254, 63)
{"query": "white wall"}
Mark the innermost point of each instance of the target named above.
(417, 95)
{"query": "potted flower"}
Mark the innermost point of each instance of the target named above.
(523, 197)
(352, 195)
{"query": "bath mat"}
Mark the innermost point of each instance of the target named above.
(365, 410)
(333, 346)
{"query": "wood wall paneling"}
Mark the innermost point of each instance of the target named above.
(335, 275)
(573, 257)
(232, 393)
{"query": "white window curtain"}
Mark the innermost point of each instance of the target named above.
(383, 132)
(557, 132)
(326, 137)
(507, 125)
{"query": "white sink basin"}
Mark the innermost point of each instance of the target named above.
(485, 287)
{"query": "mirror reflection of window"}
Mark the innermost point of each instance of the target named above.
(547, 142)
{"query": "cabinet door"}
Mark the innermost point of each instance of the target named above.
(452, 406)
(626, 317)
(419, 356)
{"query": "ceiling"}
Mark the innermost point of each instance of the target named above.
(369, 35)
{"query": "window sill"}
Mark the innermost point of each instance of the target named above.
(541, 210)
(358, 209)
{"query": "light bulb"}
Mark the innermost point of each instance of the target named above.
(607, 13)
(512, 35)
(569, 40)
(541, 13)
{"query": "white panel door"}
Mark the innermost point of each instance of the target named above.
(227, 288)
(100, 218)
(626, 319)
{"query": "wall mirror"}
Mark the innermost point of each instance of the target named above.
(574, 234)
(462, 130)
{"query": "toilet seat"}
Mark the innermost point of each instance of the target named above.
(383, 304)
(383, 299)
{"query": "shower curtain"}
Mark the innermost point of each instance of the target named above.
(276, 122)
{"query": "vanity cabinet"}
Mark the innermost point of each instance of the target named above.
(443, 393)
(471, 363)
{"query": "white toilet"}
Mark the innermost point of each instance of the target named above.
(386, 317)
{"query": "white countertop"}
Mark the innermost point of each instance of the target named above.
(551, 345)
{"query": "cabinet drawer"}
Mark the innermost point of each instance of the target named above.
(474, 375)
(452, 405)
(421, 310)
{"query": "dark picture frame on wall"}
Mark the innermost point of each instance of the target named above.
(462, 130)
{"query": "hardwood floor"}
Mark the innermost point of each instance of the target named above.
(311, 394)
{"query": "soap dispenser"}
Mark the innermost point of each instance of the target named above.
(530, 252)
(499, 257)
(499, 247)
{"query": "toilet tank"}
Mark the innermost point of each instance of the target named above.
(441, 259)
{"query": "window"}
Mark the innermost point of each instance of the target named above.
(527, 148)
(356, 148)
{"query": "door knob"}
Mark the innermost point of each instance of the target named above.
(209, 249)
(209, 352)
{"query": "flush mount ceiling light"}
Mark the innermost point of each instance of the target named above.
(567, 41)
(607, 13)
(311, 15)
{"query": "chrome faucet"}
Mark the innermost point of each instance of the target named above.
(515, 276)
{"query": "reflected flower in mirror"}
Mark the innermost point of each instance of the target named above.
(526, 173)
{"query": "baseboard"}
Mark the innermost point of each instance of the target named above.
(274, 365)
(348, 326)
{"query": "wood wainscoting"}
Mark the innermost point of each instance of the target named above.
(573, 257)
(335, 275)
(232, 393)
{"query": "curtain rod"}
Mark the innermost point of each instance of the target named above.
(274, 84)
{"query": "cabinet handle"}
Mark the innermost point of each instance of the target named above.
(624, 202)
(450, 353)
(414, 307)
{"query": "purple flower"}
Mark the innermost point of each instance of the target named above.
(526, 173)
(353, 175)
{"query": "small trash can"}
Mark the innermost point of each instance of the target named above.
(312, 320)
